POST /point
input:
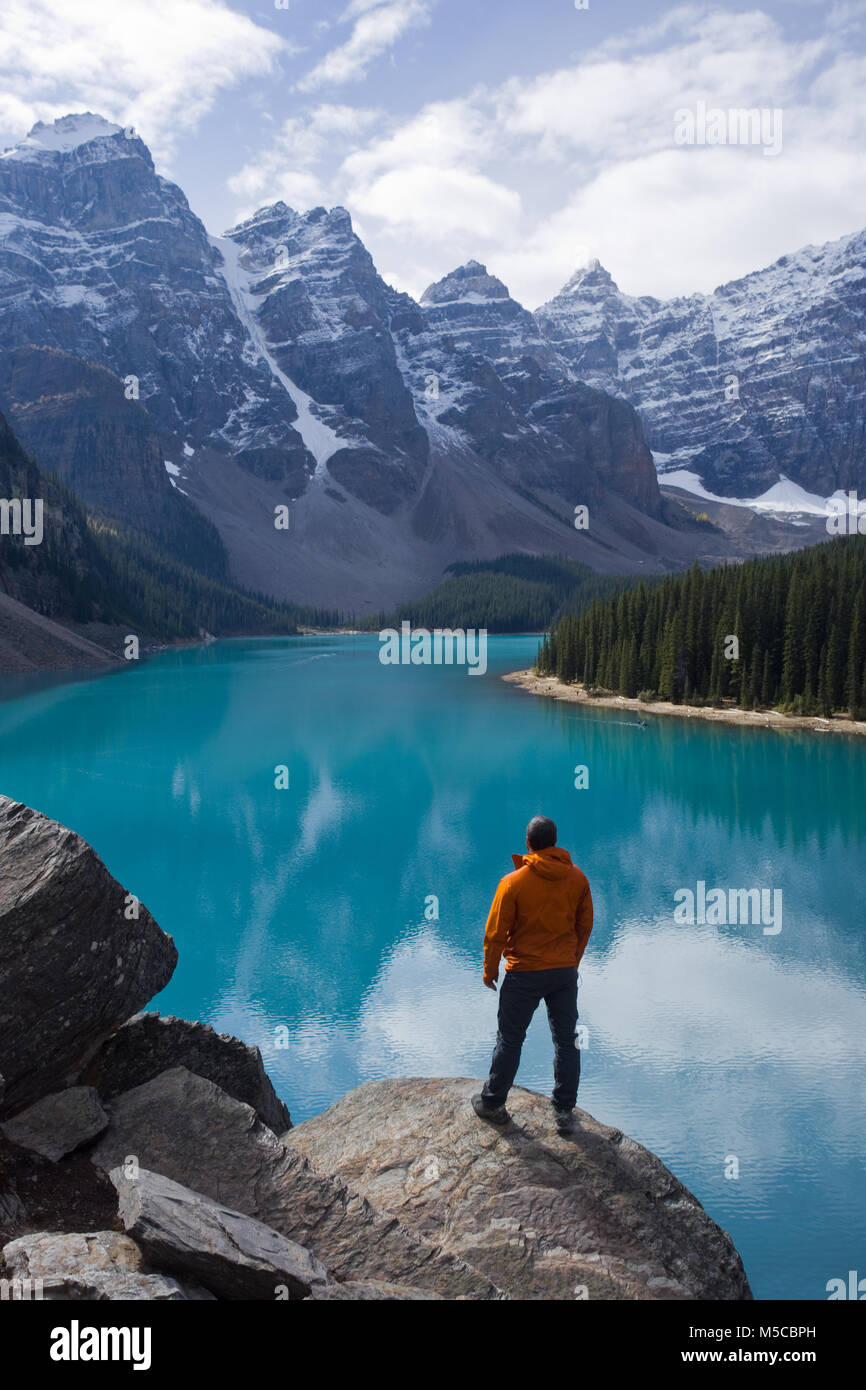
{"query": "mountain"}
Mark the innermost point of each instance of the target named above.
(499, 385)
(73, 586)
(762, 381)
(75, 415)
(190, 385)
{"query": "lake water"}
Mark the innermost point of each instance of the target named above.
(303, 921)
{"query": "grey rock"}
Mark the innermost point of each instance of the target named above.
(505, 389)
(149, 1044)
(100, 1266)
(370, 1292)
(787, 339)
(232, 1254)
(58, 1124)
(328, 314)
(107, 448)
(544, 1216)
(73, 968)
(188, 1129)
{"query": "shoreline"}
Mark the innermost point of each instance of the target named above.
(755, 719)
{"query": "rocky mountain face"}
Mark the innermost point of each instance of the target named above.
(278, 369)
(172, 1132)
(309, 292)
(478, 364)
(764, 378)
(48, 575)
(74, 585)
(75, 416)
(102, 257)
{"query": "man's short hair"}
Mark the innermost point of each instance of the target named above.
(541, 833)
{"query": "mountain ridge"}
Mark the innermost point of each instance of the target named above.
(281, 371)
(759, 381)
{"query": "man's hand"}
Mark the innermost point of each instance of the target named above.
(491, 984)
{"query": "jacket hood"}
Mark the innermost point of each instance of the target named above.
(547, 863)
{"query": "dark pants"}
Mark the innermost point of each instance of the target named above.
(520, 994)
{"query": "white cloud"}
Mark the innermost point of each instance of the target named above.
(378, 25)
(154, 64)
(439, 202)
(444, 133)
(677, 222)
(288, 168)
(609, 108)
(425, 181)
(537, 174)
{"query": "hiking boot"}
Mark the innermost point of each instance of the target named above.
(566, 1120)
(494, 1114)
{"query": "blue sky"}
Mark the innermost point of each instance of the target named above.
(530, 135)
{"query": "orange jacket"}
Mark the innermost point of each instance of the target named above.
(541, 916)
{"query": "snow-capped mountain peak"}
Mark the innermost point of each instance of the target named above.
(403, 436)
(592, 276)
(63, 135)
(760, 382)
(469, 282)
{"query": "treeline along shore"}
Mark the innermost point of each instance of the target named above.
(784, 635)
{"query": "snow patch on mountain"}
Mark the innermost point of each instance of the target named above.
(173, 474)
(784, 497)
(319, 438)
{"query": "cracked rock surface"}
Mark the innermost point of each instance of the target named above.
(592, 1214)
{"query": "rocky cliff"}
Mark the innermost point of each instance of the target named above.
(276, 368)
(762, 379)
(149, 1158)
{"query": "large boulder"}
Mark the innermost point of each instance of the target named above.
(185, 1127)
(233, 1255)
(58, 1124)
(100, 1266)
(543, 1216)
(148, 1044)
(73, 965)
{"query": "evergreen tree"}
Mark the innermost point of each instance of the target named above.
(800, 620)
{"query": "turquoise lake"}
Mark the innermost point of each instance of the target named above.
(299, 914)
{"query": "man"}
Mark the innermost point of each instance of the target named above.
(540, 920)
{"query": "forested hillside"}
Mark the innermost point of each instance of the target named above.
(513, 593)
(84, 571)
(798, 620)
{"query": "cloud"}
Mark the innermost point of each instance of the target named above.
(439, 202)
(156, 64)
(609, 108)
(378, 25)
(288, 168)
(537, 174)
(426, 177)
